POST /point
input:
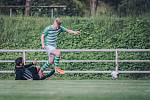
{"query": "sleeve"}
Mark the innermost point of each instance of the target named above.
(28, 65)
(63, 29)
(45, 31)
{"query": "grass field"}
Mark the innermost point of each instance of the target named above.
(75, 90)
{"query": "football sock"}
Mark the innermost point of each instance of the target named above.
(46, 65)
(56, 60)
(48, 74)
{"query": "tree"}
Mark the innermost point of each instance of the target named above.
(93, 6)
(27, 7)
(134, 7)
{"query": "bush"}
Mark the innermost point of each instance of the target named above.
(96, 33)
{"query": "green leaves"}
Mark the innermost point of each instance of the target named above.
(96, 33)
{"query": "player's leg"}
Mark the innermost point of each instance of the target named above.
(49, 50)
(57, 54)
(46, 65)
(41, 75)
(54, 57)
(40, 72)
(48, 74)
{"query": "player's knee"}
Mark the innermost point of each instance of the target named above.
(57, 52)
(51, 60)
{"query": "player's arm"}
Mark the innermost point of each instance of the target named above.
(73, 32)
(42, 40)
(29, 65)
(69, 31)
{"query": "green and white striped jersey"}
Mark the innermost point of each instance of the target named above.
(50, 35)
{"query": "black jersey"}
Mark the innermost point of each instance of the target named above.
(26, 72)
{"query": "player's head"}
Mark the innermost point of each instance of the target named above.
(57, 22)
(19, 61)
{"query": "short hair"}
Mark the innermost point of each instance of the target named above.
(18, 61)
(58, 21)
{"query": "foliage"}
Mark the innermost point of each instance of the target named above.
(96, 33)
(133, 7)
(81, 7)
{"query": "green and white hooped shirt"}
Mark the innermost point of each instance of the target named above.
(50, 35)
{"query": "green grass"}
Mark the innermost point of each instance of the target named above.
(75, 90)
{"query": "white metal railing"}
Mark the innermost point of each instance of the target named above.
(116, 60)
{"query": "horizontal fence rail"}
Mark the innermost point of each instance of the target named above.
(79, 50)
(85, 72)
(116, 60)
(90, 61)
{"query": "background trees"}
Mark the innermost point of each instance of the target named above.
(84, 7)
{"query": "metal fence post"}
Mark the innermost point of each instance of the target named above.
(116, 60)
(24, 57)
(10, 12)
(52, 12)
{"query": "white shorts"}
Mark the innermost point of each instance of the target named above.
(50, 49)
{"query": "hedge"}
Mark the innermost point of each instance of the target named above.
(96, 33)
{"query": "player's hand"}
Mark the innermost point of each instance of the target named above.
(34, 62)
(77, 32)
